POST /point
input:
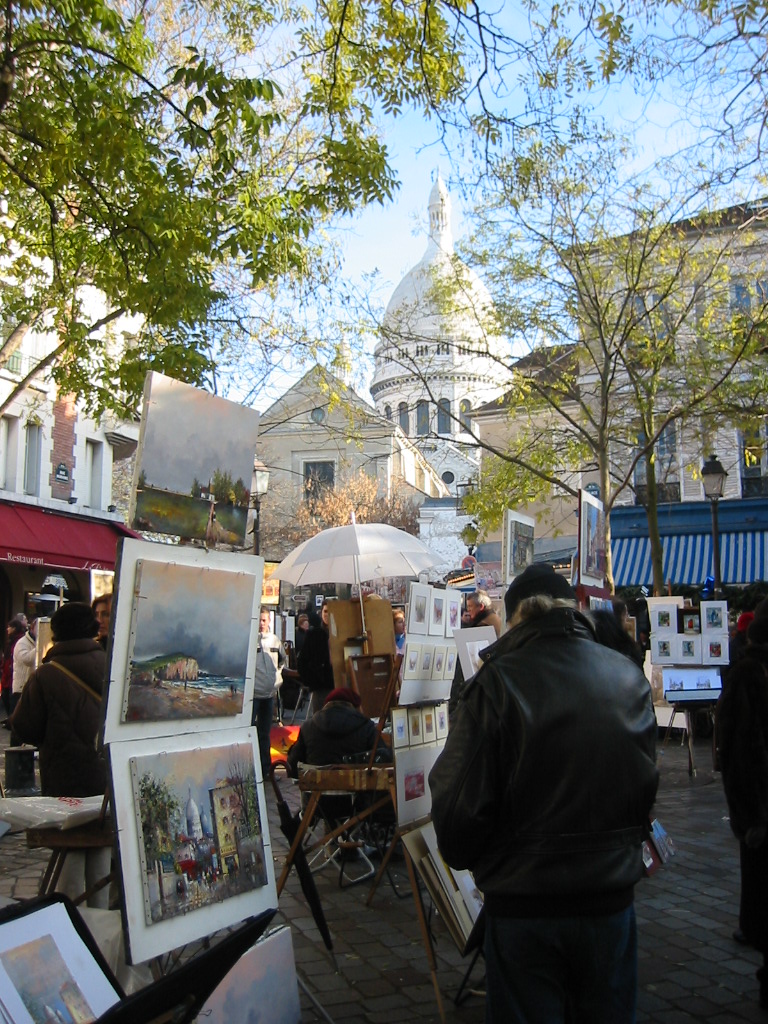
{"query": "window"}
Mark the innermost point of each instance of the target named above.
(448, 477)
(94, 467)
(318, 476)
(443, 348)
(443, 416)
(402, 418)
(388, 411)
(667, 471)
(32, 457)
(465, 417)
(422, 417)
(9, 452)
(754, 466)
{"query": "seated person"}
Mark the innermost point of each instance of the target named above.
(338, 728)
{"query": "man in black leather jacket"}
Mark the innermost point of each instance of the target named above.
(543, 791)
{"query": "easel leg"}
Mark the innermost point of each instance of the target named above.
(691, 759)
(297, 840)
(426, 938)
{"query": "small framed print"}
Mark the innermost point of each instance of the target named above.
(689, 649)
(412, 660)
(438, 662)
(714, 649)
(663, 649)
(441, 721)
(415, 730)
(428, 725)
(399, 727)
(419, 608)
(452, 611)
(664, 618)
(450, 662)
(437, 612)
(714, 616)
(688, 621)
(427, 656)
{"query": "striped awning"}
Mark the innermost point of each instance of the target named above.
(688, 558)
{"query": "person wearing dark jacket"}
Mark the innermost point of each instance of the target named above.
(742, 731)
(543, 791)
(60, 713)
(339, 728)
(314, 661)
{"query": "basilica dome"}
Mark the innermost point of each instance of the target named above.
(438, 357)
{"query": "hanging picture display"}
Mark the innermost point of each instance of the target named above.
(184, 641)
(591, 541)
(192, 836)
(194, 463)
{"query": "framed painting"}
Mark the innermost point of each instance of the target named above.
(192, 837)
(450, 662)
(663, 618)
(415, 735)
(399, 727)
(51, 966)
(714, 649)
(517, 539)
(438, 662)
(469, 643)
(714, 616)
(169, 669)
(591, 541)
(452, 611)
(428, 724)
(688, 620)
(419, 605)
(441, 721)
(412, 660)
(663, 649)
(412, 768)
(427, 657)
(688, 649)
(437, 610)
(194, 463)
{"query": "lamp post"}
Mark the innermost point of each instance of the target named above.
(713, 478)
(260, 484)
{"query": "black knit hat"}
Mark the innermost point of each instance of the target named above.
(74, 621)
(537, 579)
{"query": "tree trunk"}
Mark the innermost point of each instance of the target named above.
(652, 515)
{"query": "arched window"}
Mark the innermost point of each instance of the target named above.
(443, 416)
(388, 411)
(465, 411)
(402, 418)
(422, 417)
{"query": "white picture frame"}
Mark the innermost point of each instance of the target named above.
(237, 884)
(441, 720)
(437, 612)
(714, 648)
(415, 735)
(663, 618)
(591, 540)
(688, 649)
(714, 617)
(452, 611)
(438, 661)
(399, 727)
(427, 657)
(170, 612)
(428, 724)
(419, 602)
(451, 655)
(412, 768)
(469, 643)
(412, 660)
(517, 544)
(663, 649)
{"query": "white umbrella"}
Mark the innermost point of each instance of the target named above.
(353, 553)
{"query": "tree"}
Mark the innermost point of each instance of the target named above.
(354, 494)
(160, 810)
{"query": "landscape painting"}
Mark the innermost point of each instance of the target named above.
(51, 994)
(192, 836)
(194, 464)
(190, 635)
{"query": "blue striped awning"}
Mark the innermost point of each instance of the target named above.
(688, 559)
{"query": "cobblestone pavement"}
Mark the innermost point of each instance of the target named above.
(690, 967)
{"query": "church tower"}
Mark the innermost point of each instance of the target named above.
(438, 358)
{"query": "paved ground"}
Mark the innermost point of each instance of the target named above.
(690, 967)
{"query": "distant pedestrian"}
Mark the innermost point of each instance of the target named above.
(14, 631)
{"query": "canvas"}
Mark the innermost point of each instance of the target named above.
(469, 643)
(517, 542)
(591, 541)
(265, 976)
(419, 605)
(193, 837)
(194, 463)
(170, 667)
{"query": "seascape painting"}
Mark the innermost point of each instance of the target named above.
(201, 836)
(190, 634)
(195, 463)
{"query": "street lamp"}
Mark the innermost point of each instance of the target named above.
(713, 478)
(260, 484)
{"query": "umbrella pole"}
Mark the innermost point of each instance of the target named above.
(363, 630)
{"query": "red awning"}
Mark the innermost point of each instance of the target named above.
(38, 536)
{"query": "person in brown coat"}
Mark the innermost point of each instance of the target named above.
(59, 710)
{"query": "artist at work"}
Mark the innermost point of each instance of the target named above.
(543, 791)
